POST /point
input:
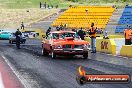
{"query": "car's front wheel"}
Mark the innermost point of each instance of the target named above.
(53, 55)
(10, 41)
(44, 53)
(85, 56)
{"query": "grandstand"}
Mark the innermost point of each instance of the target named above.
(125, 19)
(83, 16)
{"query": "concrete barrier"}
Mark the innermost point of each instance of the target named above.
(87, 39)
(126, 51)
(106, 46)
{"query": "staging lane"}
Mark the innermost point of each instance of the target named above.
(44, 72)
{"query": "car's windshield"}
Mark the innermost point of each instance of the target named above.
(64, 35)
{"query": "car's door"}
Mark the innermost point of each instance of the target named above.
(47, 44)
(6, 35)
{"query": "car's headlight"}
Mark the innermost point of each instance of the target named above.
(58, 46)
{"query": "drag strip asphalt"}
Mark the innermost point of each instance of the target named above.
(7, 77)
(37, 71)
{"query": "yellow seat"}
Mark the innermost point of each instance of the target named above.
(76, 17)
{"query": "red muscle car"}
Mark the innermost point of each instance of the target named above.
(64, 43)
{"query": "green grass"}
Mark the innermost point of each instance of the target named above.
(25, 3)
(62, 3)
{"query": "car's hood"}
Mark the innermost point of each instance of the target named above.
(63, 42)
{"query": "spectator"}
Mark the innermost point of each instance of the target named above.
(22, 25)
(48, 6)
(105, 35)
(61, 26)
(40, 4)
(57, 6)
(57, 28)
(45, 5)
(92, 33)
(65, 27)
(81, 33)
(48, 31)
(73, 30)
(52, 6)
(128, 34)
(70, 5)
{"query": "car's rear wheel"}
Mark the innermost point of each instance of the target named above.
(44, 53)
(10, 41)
(53, 55)
(85, 56)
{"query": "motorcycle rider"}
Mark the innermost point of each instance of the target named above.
(18, 35)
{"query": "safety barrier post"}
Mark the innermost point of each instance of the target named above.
(126, 51)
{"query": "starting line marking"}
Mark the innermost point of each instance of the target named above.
(1, 81)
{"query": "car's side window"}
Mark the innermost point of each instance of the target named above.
(55, 36)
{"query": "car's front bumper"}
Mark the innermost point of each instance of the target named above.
(70, 51)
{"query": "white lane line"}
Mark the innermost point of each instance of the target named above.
(1, 81)
(14, 71)
(118, 56)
